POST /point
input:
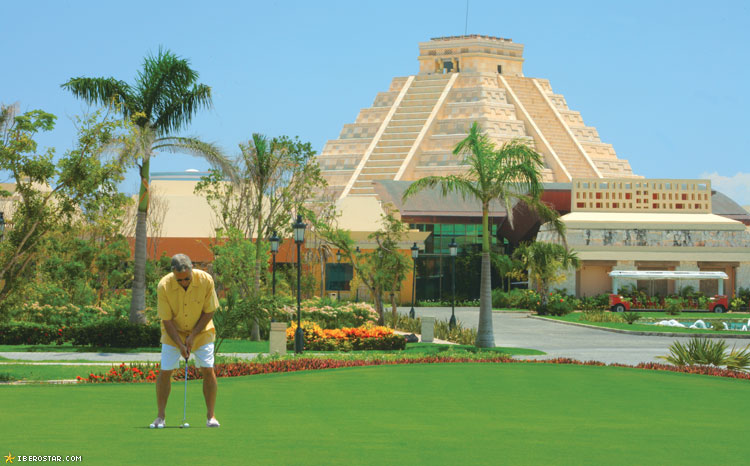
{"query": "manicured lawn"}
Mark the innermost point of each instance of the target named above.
(47, 372)
(411, 414)
(638, 327)
(25, 371)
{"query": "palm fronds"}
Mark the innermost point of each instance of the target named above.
(705, 351)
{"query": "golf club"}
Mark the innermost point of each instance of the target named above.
(184, 406)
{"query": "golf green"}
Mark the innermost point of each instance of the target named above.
(410, 414)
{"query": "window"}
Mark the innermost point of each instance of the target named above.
(499, 69)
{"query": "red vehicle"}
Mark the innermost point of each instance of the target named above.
(617, 303)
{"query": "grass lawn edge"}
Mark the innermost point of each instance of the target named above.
(603, 326)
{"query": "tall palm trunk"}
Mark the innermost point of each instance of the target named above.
(485, 334)
(138, 298)
(255, 327)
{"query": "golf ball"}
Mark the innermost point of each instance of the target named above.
(186, 425)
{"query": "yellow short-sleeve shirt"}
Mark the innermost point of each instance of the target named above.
(184, 307)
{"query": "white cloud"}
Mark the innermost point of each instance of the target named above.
(737, 187)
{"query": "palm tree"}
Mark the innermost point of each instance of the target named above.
(544, 261)
(163, 99)
(508, 175)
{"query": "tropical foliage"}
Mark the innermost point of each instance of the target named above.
(384, 268)
(64, 212)
(708, 351)
(546, 263)
(164, 98)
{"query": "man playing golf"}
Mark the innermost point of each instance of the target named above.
(187, 301)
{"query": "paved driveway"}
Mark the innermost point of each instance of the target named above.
(513, 329)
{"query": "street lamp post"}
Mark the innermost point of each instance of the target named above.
(338, 260)
(274, 240)
(356, 257)
(453, 248)
(414, 255)
(299, 238)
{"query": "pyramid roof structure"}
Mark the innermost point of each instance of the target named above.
(411, 129)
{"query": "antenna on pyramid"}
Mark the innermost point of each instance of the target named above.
(466, 25)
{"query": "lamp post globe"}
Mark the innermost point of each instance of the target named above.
(274, 240)
(299, 238)
(414, 255)
(453, 248)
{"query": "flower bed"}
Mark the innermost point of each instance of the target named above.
(366, 337)
(306, 364)
(125, 373)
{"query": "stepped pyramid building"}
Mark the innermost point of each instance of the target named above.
(615, 219)
(411, 129)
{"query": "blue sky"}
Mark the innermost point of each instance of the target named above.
(665, 82)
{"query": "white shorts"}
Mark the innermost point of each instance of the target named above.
(170, 356)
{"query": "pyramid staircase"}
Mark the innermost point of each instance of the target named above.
(402, 131)
(540, 110)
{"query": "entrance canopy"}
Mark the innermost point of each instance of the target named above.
(667, 275)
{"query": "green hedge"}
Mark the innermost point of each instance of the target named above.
(29, 333)
(115, 333)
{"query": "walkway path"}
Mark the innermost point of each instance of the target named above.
(515, 329)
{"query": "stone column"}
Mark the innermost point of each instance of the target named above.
(569, 282)
(277, 338)
(687, 266)
(428, 329)
(623, 282)
(742, 278)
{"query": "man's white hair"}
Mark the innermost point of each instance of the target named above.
(181, 263)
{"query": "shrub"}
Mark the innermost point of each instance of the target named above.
(737, 304)
(673, 306)
(31, 333)
(630, 317)
(58, 315)
(705, 351)
(718, 325)
(461, 335)
(345, 314)
(514, 299)
(115, 333)
(500, 299)
(557, 305)
(601, 316)
(593, 303)
(744, 294)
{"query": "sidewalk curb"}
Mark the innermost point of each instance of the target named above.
(641, 333)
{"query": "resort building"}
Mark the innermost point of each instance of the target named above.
(655, 224)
